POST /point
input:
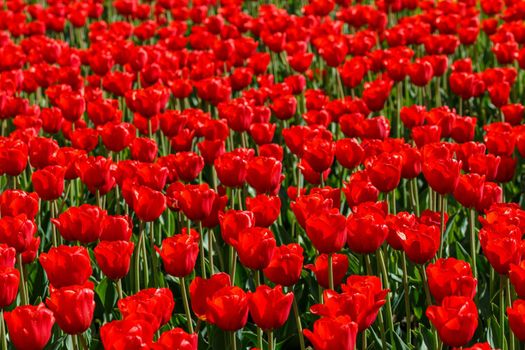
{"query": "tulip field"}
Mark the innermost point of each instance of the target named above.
(271, 175)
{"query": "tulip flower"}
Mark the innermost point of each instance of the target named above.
(113, 258)
(269, 308)
(333, 333)
(66, 266)
(30, 326)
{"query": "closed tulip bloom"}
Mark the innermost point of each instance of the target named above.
(516, 315)
(264, 174)
(188, 165)
(517, 278)
(349, 153)
(269, 307)
(196, 201)
(255, 247)
(17, 232)
(143, 149)
(333, 333)
(484, 164)
(116, 228)
(149, 204)
(9, 281)
(231, 169)
(7, 256)
(327, 231)
(442, 174)
(113, 258)
(420, 72)
(320, 269)
(41, 151)
(367, 228)
(156, 302)
(385, 171)
(501, 246)
(421, 243)
(492, 193)
(227, 308)
(179, 253)
(96, 174)
(266, 209)
(66, 266)
(177, 338)
(202, 289)
(513, 113)
(49, 182)
(319, 153)
(127, 334)
(412, 116)
(284, 107)
(450, 277)
(232, 222)
(426, 134)
(117, 136)
(80, 223)
(13, 157)
(15, 202)
(73, 307)
(469, 190)
(286, 265)
(29, 326)
(455, 320)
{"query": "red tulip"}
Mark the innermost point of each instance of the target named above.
(227, 308)
(420, 72)
(264, 174)
(469, 190)
(286, 265)
(81, 224)
(29, 326)
(385, 171)
(7, 256)
(66, 266)
(148, 204)
(319, 153)
(501, 246)
(116, 228)
(455, 320)
(203, 289)
(96, 174)
(269, 307)
(516, 315)
(17, 232)
(9, 280)
(366, 227)
(153, 305)
(231, 169)
(113, 258)
(266, 209)
(41, 152)
(73, 307)
(450, 277)
(13, 157)
(327, 231)
(49, 182)
(349, 153)
(179, 253)
(255, 247)
(333, 333)
(421, 243)
(320, 269)
(15, 202)
(127, 334)
(178, 339)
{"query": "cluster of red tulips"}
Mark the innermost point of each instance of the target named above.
(206, 174)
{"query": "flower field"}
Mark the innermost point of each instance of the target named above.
(273, 175)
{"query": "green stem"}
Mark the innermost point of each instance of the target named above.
(509, 303)
(23, 288)
(154, 260)
(406, 287)
(136, 257)
(257, 282)
(118, 284)
(202, 259)
(53, 227)
(233, 263)
(270, 340)
(363, 340)
(182, 283)
(330, 272)
(502, 311)
(298, 323)
(74, 340)
(443, 207)
(210, 250)
(234, 341)
(386, 284)
(3, 330)
(425, 284)
(473, 250)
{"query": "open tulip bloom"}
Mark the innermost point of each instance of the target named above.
(326, 174)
